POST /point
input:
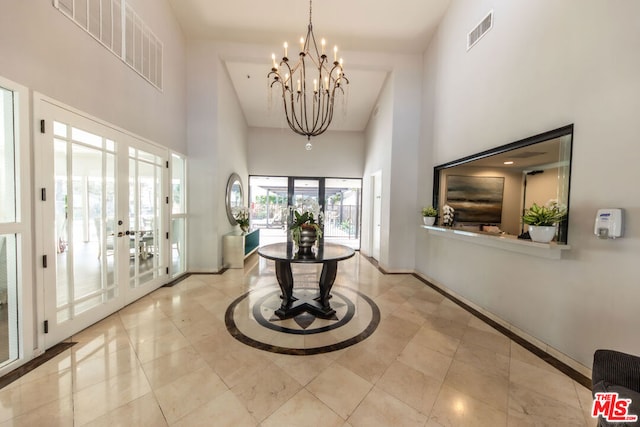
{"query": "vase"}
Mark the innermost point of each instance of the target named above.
(244, 227)
(429, 220)
(307, 240)
(542, 233)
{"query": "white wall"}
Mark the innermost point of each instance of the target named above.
(404, 164)
(378, 159)
(393, 135)
(281, 152)
(545, 64)
(44, 50)
(217, 146)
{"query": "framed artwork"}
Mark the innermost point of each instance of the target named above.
(476, 199)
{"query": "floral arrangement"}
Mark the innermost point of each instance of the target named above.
(308, 214)
(429, 211)
(447, 215)
(241, 216)
(546, 216)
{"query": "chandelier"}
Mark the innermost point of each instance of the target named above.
(309, 112)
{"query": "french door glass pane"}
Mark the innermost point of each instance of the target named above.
(178, 233)
(178, 212)
(9, 242)
(8, 301)
(7, 163)
(305, 192)
(61, 233)
(84, 221)
(268, 207)
(178, 190)
(145, 198)
(342, 211)
(306, 196)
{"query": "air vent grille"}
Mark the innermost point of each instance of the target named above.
(480, 30)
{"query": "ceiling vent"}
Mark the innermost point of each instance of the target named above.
(480, 30)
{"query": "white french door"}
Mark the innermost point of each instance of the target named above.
(103, 214)
(147, 211)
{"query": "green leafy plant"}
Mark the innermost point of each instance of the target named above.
(309, 215)
(547, 215)
(303, 220)
(429, 211)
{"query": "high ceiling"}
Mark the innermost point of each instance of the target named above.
(399, 26)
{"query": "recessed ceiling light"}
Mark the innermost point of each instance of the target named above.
(508, 163)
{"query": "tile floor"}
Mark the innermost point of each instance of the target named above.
(168, 360)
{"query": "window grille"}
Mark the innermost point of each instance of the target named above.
(120, 29)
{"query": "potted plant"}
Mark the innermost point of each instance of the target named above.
(306, 225)
(542, 220)
(242, 218)
(429, 215)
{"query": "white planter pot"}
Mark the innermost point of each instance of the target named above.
(542, 233)
(429, 220)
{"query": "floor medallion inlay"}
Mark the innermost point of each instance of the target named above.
(252, 320)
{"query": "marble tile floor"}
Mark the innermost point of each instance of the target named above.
(168, 360)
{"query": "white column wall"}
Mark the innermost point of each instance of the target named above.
(379, 135)
(393, 136)
(404, 165)
(217, 138)
(544, 64)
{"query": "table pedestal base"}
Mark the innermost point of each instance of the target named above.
(319, 306)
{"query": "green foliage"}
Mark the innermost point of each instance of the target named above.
(303, 220)
(429, 211)
(544, 215)
(274, 199)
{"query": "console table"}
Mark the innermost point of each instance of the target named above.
(237, 245)
(327, 254)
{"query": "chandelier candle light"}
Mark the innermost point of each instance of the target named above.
(309, 112)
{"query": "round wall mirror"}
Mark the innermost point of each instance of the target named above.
(234, 197)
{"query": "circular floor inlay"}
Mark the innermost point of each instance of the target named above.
(251, 320)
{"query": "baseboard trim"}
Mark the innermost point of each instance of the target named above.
(570, 367)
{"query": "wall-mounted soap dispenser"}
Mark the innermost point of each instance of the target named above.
(608, 223)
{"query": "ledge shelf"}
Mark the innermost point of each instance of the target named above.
(505, 242)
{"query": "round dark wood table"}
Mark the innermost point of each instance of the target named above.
(327, 254)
